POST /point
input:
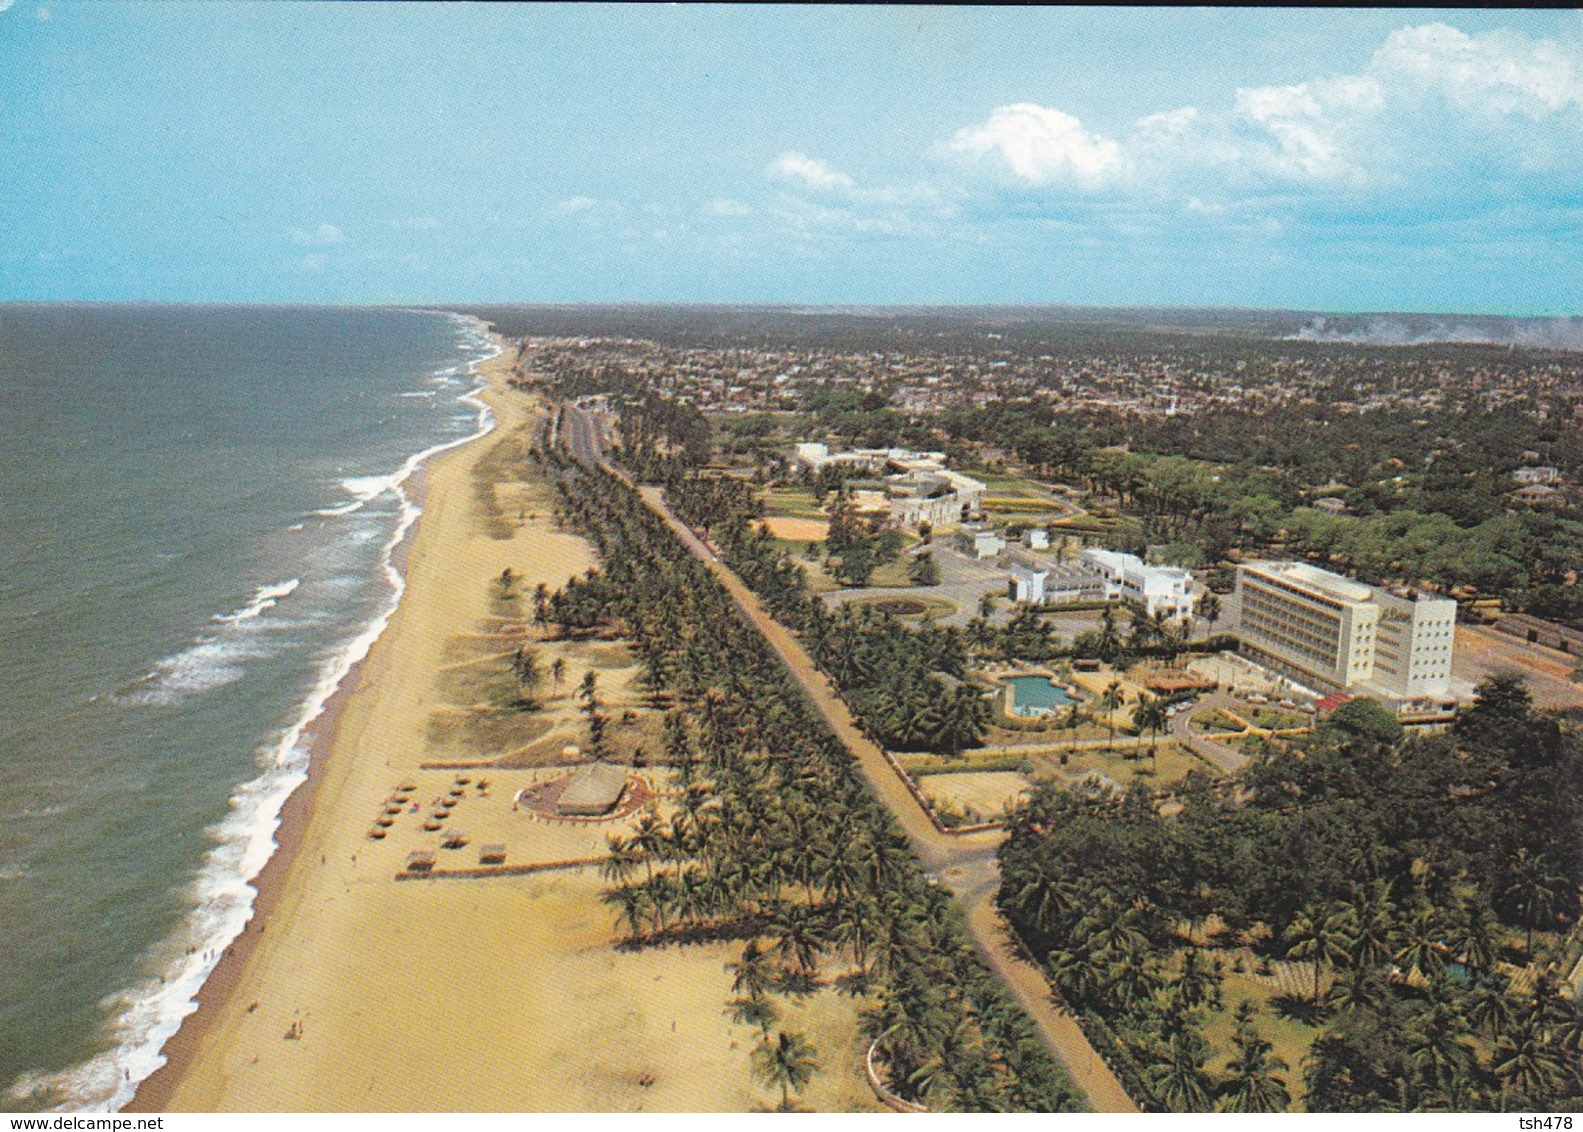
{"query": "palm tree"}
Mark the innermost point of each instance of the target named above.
(1371, 922)
(1109, 642)
(1437, 1047)
(1525, 1062)
(1150, 716)
(1490, 1008)
(1043, 899)
(631, 904)
(751, 974)
(789, 1062)
(1178, 1075)
(1252, 1083)
(649, 839)
(1318, 934)
(1209, 608)
(760, 1013)
(800, 939)
(1421, 945)
(1473, 941)
(1534, 888)
(1074, 720)
(1111, 700)
(1198, 983)
(622, 859)
(1362, 988)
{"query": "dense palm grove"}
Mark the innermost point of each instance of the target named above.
(777, 843)
(903, 685)
(1402, 871)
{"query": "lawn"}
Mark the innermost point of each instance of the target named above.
(1290, 1037)
(1274, 720)
(792, 503)
(1174, 763)
(1215, 722)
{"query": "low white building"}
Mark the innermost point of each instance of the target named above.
(980, 542)
(1167, 589)
(1036, 538)
(1027, 579)
(918, 484)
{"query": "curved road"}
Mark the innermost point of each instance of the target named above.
(965, 864)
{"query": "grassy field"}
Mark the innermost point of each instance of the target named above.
(1275, 720)
(985, 796)
(1215, 722)
(1290, 1037)
(1173, 761)
(792, 503)
(934, 607)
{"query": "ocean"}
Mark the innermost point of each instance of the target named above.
(198, 512)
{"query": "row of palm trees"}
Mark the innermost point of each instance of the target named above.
(774, 839)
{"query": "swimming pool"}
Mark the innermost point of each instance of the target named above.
(1034, 695)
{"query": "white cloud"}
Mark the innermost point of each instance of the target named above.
(725, 206)
(1309, 124)
(572, 206)
(1042, 145)
(816, 174)
(6, 4)
(325, 235)
(1499, 72)
(1435, 111)
(315, 262)
(1176, 122)
(416, 223)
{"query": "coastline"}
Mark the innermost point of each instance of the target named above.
(155, 1092)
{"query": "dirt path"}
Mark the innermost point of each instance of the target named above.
(965, 865)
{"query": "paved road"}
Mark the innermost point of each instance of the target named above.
(1226, 757)
(966, 864)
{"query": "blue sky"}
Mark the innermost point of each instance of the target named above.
(1330, 160)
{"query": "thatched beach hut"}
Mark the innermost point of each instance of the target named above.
(593, 790)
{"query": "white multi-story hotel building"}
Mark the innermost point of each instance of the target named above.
(1338, 635)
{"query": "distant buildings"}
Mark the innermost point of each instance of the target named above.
(913, 488)
(1542, 474)
(1334, 634)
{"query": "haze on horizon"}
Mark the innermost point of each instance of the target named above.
(1332, 160)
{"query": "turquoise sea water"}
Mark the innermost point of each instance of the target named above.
(197, 512)
(1035, 695)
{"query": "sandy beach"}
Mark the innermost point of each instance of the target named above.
(353, 991)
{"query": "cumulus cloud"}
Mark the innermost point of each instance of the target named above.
(6, 4)
(809, 171)
(325, 235)
(1308, 126)
(1042, 145)
(1497, 72)
(1432, 103)
(725, 206)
